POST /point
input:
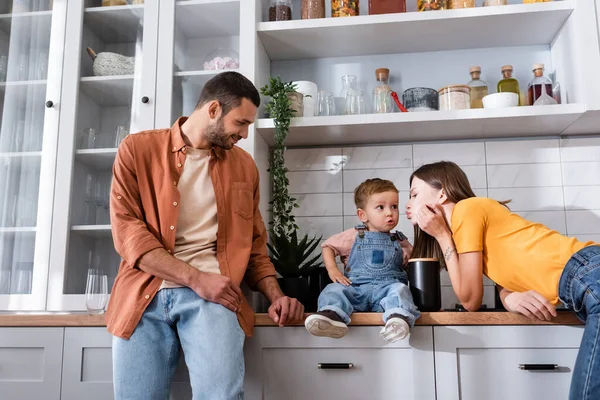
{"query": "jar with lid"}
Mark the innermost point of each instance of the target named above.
(454, 4)
(280, 10)
(536, 1)
(455, 97)
(479, 88)
(538, 84)
(386, 6)
(382, 99)
(311, 9)
(432, 5)
(345, 8)
(509, 84)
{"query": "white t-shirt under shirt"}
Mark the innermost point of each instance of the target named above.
(196, 235)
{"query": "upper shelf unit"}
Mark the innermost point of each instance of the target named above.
(512, 25)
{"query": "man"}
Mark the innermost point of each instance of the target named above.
(185, 220)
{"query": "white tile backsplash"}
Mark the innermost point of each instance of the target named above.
(459, 153)
(378, 157)
(476, 175)
(326, 159)
(581, 173)
(319, 205)
(524, 175)
(530, 199)
(585, 222)
(522, 152)
(582, 197)
(315, 182)
(580, 149)
(353, 178)
(325, 226)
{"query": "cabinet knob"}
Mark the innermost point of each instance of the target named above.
(538, 367)
(145, 99)
(49, 104)
(335, 365)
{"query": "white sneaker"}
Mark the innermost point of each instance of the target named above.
(320, 325)
(395, 329)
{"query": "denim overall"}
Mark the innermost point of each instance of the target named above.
(379, 284)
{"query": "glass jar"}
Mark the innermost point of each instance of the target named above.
(479, 88)
(382, 99)
(432, 5)
(539, 84)
(455, 97)
(536, 1)
(508, 83)
(489, 3)
(221, 59)
(348, 85)
(345, 8)
(454, 4)
(280, 10)
(312, 9)
(386, 6)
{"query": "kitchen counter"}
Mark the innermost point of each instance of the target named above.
(358, 319)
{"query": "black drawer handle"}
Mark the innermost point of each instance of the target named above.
(538, 367)
(335, 365)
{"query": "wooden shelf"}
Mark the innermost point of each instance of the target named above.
(97, 159)
(512, 25)
(206, 19)
(109, 91)
(427, 126)
(119, 24)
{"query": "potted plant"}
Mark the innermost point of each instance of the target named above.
(292, 256)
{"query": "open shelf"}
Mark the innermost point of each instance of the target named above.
(512, 25)
(97, 159)
(427, 126)
(206, 19)
(109, 91)
(119, 24)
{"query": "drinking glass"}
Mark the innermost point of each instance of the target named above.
(120, 134)
(23, 67)
(3, 66)
(325, 103)
(90, 199)
(355, 102)
(96, 291)
(24, 277)
(90, 139)
(5, 281)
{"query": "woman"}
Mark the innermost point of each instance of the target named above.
(533, 266)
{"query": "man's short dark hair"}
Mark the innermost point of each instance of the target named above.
(229, 88)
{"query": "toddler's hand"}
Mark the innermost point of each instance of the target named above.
(338, 277)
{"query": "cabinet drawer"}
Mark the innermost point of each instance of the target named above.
(484, 373)
(284, 364)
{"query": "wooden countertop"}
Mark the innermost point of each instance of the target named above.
(358, 319)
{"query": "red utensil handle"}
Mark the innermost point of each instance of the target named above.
(398, 103)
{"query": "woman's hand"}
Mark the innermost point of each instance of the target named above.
(431, 220)
(338, 277)
(531, 304)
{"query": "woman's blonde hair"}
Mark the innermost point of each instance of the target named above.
(440, 175)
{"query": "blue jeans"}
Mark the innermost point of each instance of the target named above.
(209, 335)
(579, 290)
(388, 296)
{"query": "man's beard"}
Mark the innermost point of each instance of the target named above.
(217, 136)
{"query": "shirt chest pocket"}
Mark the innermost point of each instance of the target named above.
(242, 199)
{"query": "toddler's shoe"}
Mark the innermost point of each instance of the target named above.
(396, 328)
(326, 323)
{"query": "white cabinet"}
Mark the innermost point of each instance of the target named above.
(483, 362)
(284, 364)
(30, 363)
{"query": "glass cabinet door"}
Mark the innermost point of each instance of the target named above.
(109, 88)
(198, 39)
(31, 46)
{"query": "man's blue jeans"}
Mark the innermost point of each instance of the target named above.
(178, 319)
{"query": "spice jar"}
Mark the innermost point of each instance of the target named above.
(382, 99)
(311, 9)
(432, 5)
(386, 6)
(455, 97)
(345, 8)
(454, 4)
(488, 3)
(280, 10)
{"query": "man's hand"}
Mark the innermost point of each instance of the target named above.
(338, 277)
(219, 289)
(531, 304)
(286, 310)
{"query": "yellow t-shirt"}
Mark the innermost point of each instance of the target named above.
(518, 255)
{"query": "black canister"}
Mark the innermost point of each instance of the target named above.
(424, 281)
(421, 99)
